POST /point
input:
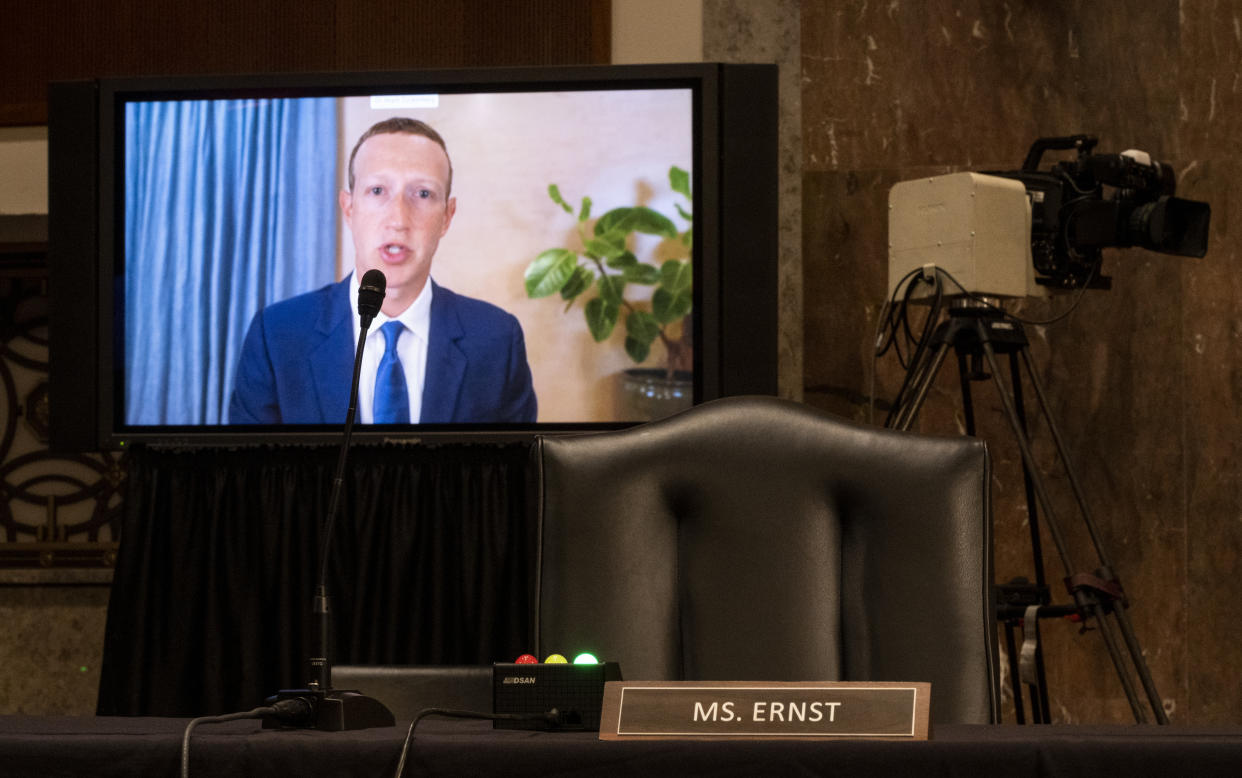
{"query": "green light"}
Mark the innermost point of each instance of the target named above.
(586, 658)
(82, 669)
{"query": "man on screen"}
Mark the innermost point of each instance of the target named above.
(432, 356)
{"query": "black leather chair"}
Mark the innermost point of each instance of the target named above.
(753, 538)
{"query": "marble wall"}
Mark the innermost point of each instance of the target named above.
(769, 31)
(52, 645)
(1145, 380)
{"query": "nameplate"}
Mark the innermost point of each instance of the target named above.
(657, 710)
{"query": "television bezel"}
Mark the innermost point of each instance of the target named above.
(734, 179)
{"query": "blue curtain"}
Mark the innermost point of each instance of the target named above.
(229, 205)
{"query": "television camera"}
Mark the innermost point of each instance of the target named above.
(1022, 232)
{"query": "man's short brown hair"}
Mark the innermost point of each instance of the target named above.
(400, 125)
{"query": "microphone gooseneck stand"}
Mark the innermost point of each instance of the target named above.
(334, 709)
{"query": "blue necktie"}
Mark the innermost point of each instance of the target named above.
(392, 399)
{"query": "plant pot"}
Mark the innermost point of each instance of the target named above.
(648, 393)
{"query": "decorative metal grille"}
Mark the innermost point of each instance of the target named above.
(57, 512)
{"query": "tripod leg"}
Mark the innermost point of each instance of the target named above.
(1084, 598)
(1032, 506)
(924, 377)
(1123, 619)
(1140, 663)
(1061, 452)
(1015, 676)
(1039, 690)
(1032, 664)
(1105, 627)
(968, 405)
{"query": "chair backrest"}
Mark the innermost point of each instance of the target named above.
(753, 538)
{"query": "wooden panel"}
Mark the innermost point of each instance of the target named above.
(68, 39)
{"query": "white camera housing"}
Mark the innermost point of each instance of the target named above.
(976, 227)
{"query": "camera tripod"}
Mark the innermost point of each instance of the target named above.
(976, 331)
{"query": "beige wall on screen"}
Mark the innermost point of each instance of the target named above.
(506, 149)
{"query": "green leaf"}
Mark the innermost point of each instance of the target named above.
(623, 221)
(642, 326)
(585, 213)
(641, 329)
(679, 180)
(549, 272)
(622, 261)
(578, 283)
(675, 275)
(601, 318)
(684, 213)
(611, 288)
(606, 246)
(642, 274)
(668, 306)
(615, 221)
(554, 192)
(653, 223)
(687, 238)
(637, 350)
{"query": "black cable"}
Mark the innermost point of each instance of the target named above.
(293, 711)
(886, 319)
(929, 322)
(915, 344)
(887, 328)
(900, 324)
(256, 713)
(551, 716)
(897, 324)
(1078, 295)
(911, 342)
(919, 345)
(880, 343)
(893, 321)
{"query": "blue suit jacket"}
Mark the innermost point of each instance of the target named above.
(297, 361)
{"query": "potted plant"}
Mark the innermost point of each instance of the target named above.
(602, 267)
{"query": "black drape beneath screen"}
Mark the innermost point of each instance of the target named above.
(431, 563)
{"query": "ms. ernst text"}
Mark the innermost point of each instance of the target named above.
(767, 711)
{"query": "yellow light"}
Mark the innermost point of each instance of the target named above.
(556, 659)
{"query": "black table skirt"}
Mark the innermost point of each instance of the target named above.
(122, 746)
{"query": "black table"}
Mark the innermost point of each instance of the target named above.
(121, 746)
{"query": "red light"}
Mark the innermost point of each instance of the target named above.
(526, 659)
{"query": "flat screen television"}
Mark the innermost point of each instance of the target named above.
(617, 224)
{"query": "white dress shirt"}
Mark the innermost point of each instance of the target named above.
(411, 348)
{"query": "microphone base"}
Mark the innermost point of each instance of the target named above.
(335, 711)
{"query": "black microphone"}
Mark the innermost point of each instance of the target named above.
(370, 297)
(333, 709)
